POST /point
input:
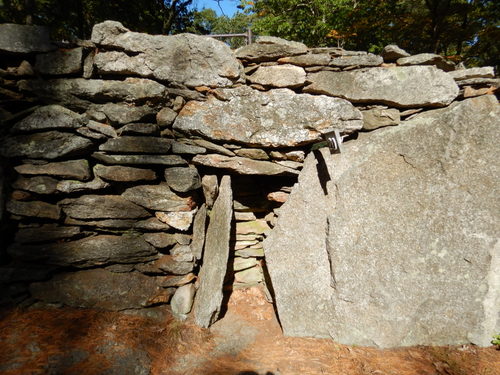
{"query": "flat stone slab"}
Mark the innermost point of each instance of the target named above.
(22, 39)
(80, 92)
(38, 184)
(241, 165)
(402, 87)
(267, 119)
(102, 207)
(123, 174)
(279, 76)
(269, 48)
(60, 62)
(99, 289)
(46, 232)
(170, 160)
(186, 59)
(208, 300)
(33, 209)
(74, 169)
(49, 117)
(47, 145)
(88, 252)
(140, 145)
(158, 197)
(395, 241)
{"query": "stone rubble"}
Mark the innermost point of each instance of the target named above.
(163, 167)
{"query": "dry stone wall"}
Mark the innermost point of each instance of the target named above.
(147, 170)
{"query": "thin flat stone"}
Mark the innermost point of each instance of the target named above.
(171, 160)
(158, 197)
(102, 207)
(74, 169)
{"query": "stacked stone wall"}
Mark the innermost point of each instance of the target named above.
(113, 151)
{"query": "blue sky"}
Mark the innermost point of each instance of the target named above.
(228, 6)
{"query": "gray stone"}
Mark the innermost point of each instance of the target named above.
(494, 82)
(413, 86)
(243, 165)
(151, 224)
(180, 220)
(160, 240)
(102, 207)
(60, 62)
(392, 52)
(170, 160)
(105, 129)
(49, 117)
(24, 39)
(166, 264)
(210, 187)
(182, 253)
(88, 252)
(427, 59)
(90, 134)
(105, 223)
(250, 252)
(78, 186)
(140, 128)
(170, 281)
(98, 288)
(395, 242)
(75, 169)
(186, 59)
(141, 145)
(268, 48)
(182, 148)
(252, 227)
(279, 76)
(79, 92)
(251, 276)
(166, 117)
(212, 147)
(207, 304)
(35, 209)
(120, 113)
(319, 59)
(183, 179)
(182, 301)
(368, 59)
(252, 153)
(46, 232)
(267, 119)
(378, 117)
(199, 231)
(47, 145)
(484, 72)
(240, 264)
(38, 184)
(123, 174)
(158, 197)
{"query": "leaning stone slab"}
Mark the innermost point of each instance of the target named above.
(404, 87)
(170, 160)
(207, 304)
(74, 169)
(88, 252)
(279, 76)
(140, 145)
(158, 197)
(49, 117)
(243, 165)
(47, 145)
(34, 209)
(60, 62)
(102, 207)
(268, 48)
(123, 174)
(99, 289)
(80, 92)
(199, 231)
(24, 39)
(419, 266)
(267, 119)
(186, 59)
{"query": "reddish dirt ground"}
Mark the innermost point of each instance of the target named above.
(246, 341)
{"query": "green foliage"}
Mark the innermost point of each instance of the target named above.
(71, 19)
(496, 340)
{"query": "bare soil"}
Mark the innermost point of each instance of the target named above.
(246, 341)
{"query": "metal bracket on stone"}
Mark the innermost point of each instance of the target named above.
(334, 140)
